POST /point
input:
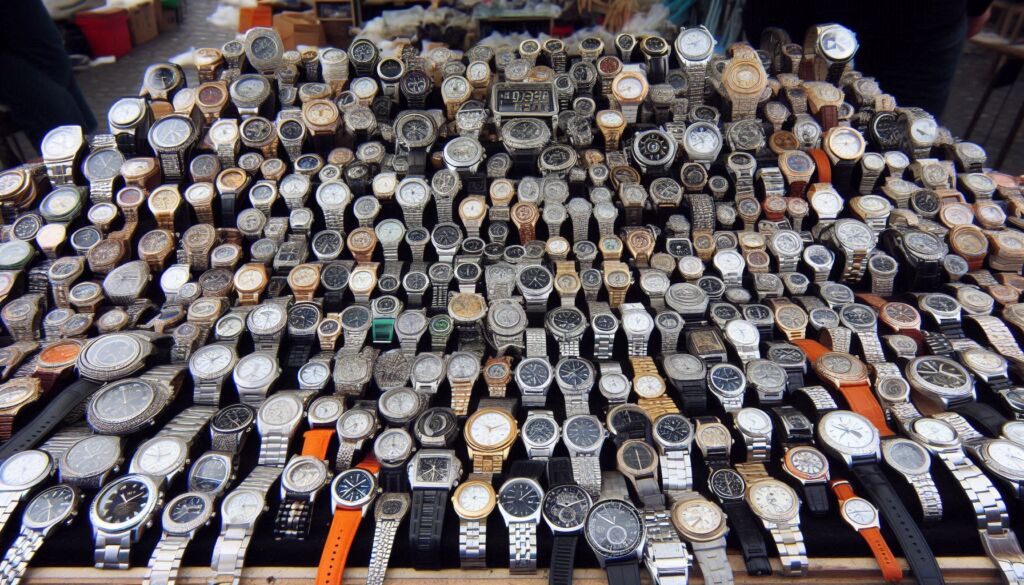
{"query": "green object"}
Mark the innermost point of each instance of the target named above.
(383, 330)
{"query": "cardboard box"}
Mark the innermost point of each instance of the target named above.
(143, 20)
(170, 18)
(299, 28)
(254, 16)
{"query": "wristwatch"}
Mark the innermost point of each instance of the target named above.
(114, 529)
(432, 475)
(474, 500)
(240, 511)
(778, 507)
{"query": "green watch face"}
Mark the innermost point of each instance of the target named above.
(383, 330)
(441, 325)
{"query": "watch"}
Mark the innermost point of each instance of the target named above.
(432, 475)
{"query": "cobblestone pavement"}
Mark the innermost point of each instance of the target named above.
(104, 84)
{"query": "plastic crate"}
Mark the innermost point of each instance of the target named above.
(107, 31)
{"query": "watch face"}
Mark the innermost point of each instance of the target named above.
(941, 375)
(535, 278)
(123, 401)
(171, 132)
(520, 498)
(92, 456)
(727, 484)
(433, 469)
(727, 379)
(125, 502)
(808, 461)
(254, 370)
(354, 487)
(637, 455)
(935, 431)
(583, 431)
(849, 433)
(160, 456)
(209, 473)
(490, 428)
(540, 430)
(575, 373)
(703, 138)
(51, 506)
(303, 316)
(907, 456)
(242, 507)
(614, 528)
(773, 499)
(565, 507)
(435, 422)
(673, 429)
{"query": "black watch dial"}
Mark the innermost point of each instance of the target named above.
(614, 528)
(727, 484)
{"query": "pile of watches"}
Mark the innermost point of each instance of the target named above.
(761, 266)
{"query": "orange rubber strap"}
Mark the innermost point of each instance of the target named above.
(891, 570)
(316, 442)
(824, 166)
(339, 541)
(342, 534)
(872, 300)
(858, 396)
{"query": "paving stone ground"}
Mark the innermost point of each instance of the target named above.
(105, 84)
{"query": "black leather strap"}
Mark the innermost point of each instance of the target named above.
(755, 551)
(816, 496)
(394, 480)
(228, 210)
(563, 559)
(795, 379)
(982, 415)
(842, 177)
(915, 548)
(332, 300)
(560, 472)
(60, 409)
(426, 526)
(530, 469)
(694, 396)
(627, 573)
(299, 347)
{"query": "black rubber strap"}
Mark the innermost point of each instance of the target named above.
(530, 469)
(563, 559)
(560, 472)
(842, 177)
(915, 548)
(938, 344)
(299, 347)
(228, 209)
(982, 415)
(795, 379)
(394, 480)
(293, 520)
(67, 402)
(627, 573)
(816, 496)
(332, 300)
(755, 551)
(426, 526)
(694, 396)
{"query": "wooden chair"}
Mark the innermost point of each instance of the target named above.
(1005, 38)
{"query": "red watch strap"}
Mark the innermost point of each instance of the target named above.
(858, 396)
(891, 570)
(797, 189)
(860, 400)
(823, 165)
(316, 442)
(370, 463)
(339, 541)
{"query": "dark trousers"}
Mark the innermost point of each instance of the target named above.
(38, 83)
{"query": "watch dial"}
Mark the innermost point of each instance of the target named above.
(583, 431)
(727, 378)
(944, 374)
(674, 429)
(209, 474)
(566, 506)
(638, 455)
(123, 501)
(51, 506)
(92, 455)
(848, 432)
(810, 462)
(534, 372)
(540, 430)
(519, 498)
(123, 401)
(433, 469)
(354, 485)
(575, 373)
(188, 508)
(355, 317)
(727, 484)
(614, 528)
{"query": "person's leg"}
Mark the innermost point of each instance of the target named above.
(33, 42)
(37, 102)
